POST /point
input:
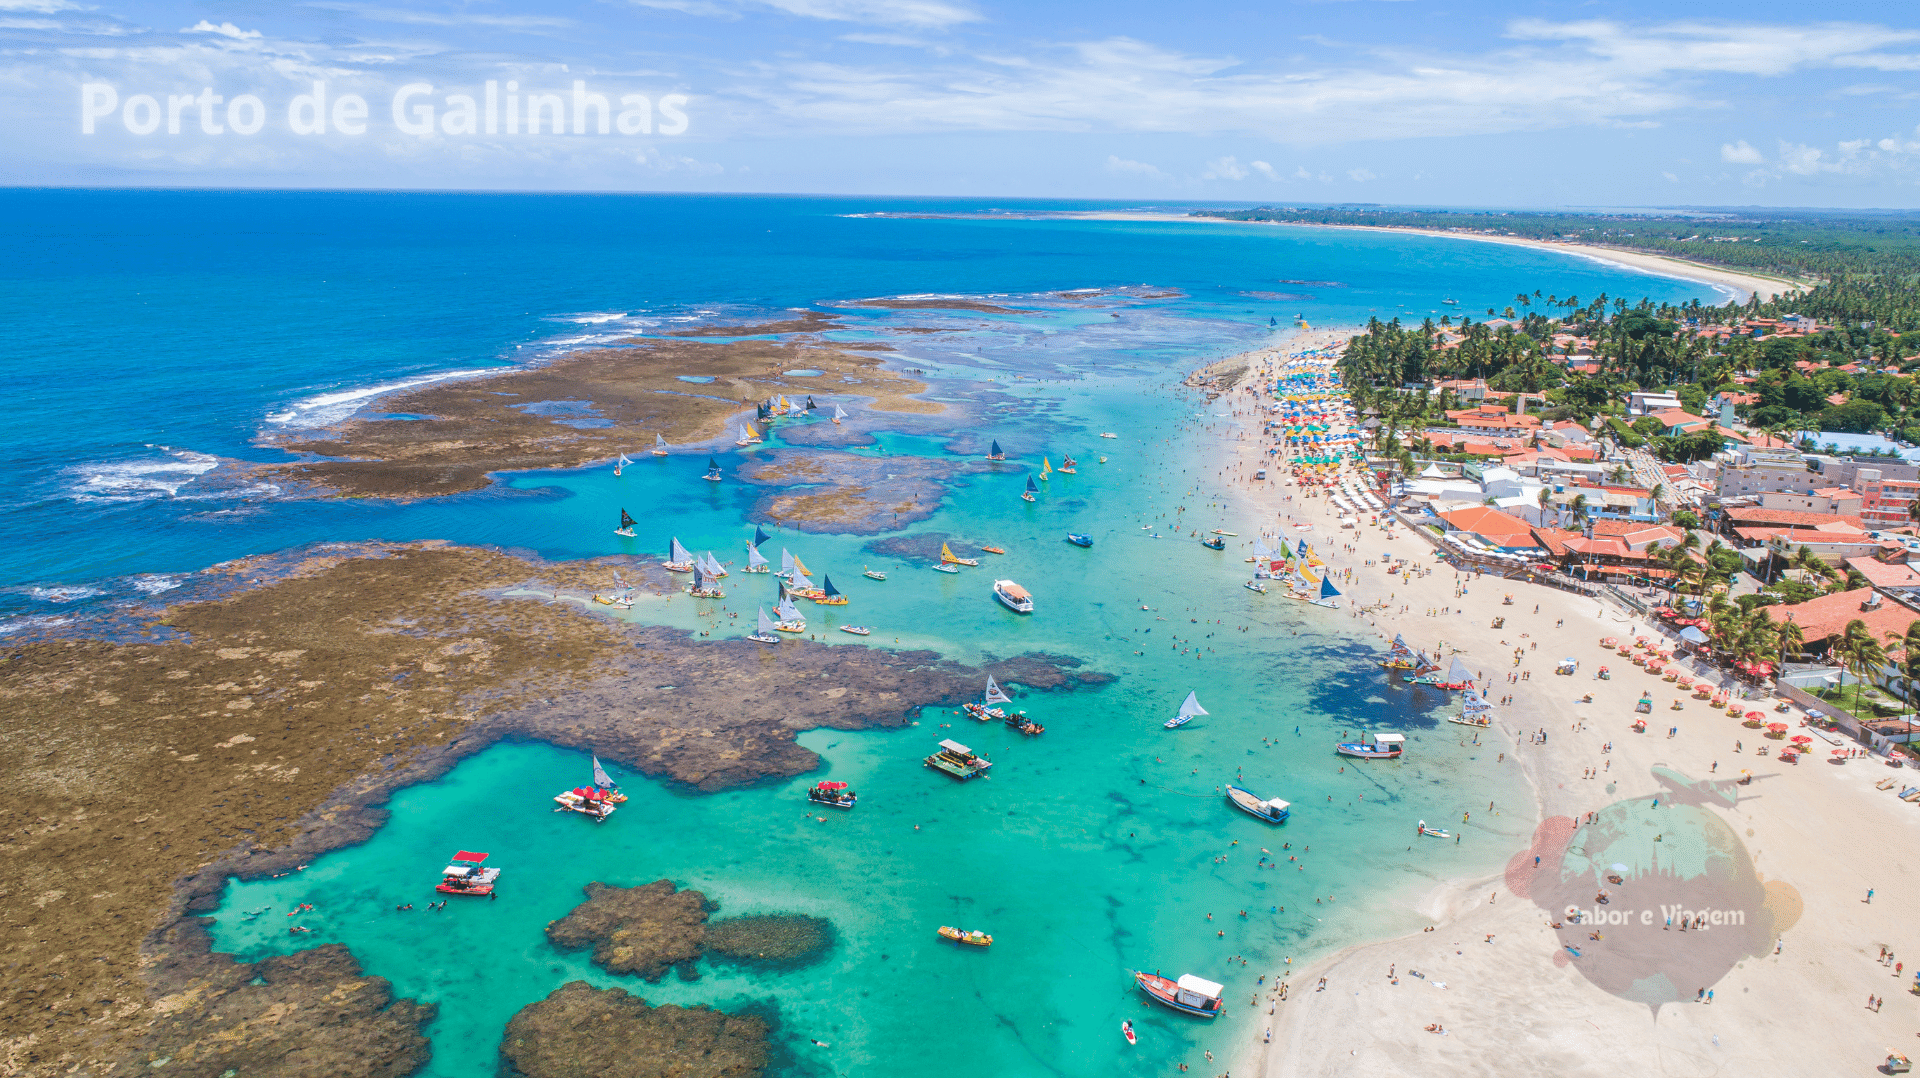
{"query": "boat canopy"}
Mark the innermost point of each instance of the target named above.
(949, 744)
(1387, 738)
(469, 856)
(833, 785)
(1200, 986)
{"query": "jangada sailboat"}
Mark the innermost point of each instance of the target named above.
(756, 562)
(1069, 466)
(713, 471)
(1046, 469)
(996, 454)
(626, 524)
(839, 414)
(622, 463)
(764, 631)
(711, 566)
(747, 438)
(804, 588)
(877, 575)
(791, 621)
(1189, 709)
(947, 556)
(659, 445)
(679, 559)
(1031, 488)
(986, 710)
(829, 594)
(1327, 593)
(788, 564)
(703, 587)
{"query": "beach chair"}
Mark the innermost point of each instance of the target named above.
(1910, 795)
(1884, 784)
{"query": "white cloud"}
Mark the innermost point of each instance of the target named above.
(1118, 164)
(439, 18)
(225, 29)
(1740, 153)
(928, 13)
(1670, 177)
(1361, 176)
(1264, 169)
(1226, 168)
(41, 7)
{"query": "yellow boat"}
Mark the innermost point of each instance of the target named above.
(947, 556)
(966, 937)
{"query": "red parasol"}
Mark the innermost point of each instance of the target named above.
(1776, 727)
(1801, 739)
(1757, 715)
(834, 785)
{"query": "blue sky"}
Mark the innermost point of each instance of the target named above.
(1392, 101)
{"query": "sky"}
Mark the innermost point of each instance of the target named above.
(1424, 102)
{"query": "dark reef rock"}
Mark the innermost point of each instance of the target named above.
(312, 1013)
(640, 931)
(580, 1031)
(828, 491)
(777, 942)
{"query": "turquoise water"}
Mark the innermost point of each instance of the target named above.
(1092, 850)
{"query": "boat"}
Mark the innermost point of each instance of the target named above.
(711, 566)
(791, 621)
(1011, 594)
(622, 463)
(1216, 543)
(1108, 435)
(788, 564)
(1223, 532)
(1256, 586)
(967, 937)
(1189, 994)
(839, 414)
(703, 588)
(1451, 302)
(659, 445)
(1024, 724)
(1126, 1029)
(1474, 711)
(877, 575)
(803, 587)
(1103, 459)
(991, 550)
(1189, 709)
(713, 471)
(945, 569)
(1383, 745)
(829, 594)
(592, 802)
(862, 631)
(810, 405)
(626, 523)
(947, 556)
(747, 437)
(1080, 539)
(756, 562)
(1069, 466)
(1270, 810)
(466, 876)
(957, 761)
(834, 793)
(985, 709)
(1046, 468)
(1327, 593)
(679, 559)
(765, 631)
(996, 454)
(1438, 834)
(1031, 488)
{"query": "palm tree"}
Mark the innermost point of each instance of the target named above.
(1579, 507)
(1858, 652)
(1791, 638)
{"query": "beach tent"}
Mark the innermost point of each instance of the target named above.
(1693, 634)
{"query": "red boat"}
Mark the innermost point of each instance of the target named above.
(1191, 994)
(466, 876)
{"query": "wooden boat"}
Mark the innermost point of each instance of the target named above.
(876, 575)
(622, 463)
(967, 937)
(1068, 466)
(1108, 435)
(987, 708)
(958, 761)
(803, 588)
(1189, 994)
(466, 876)
(829, 594)
(947, 556)
(1256, 586)
(834, 793)
(1031, 488)
(1013, 597)
(862, 631)
(1189, 709)
(703, 587)
(756, 562)
(1126, 1029)
(791, 621)
(839, 414)
(679, 559)
(713, 471)
(1269, 810)
(659, 446)
(1080, 539)
(1223, 532)
(983, 713)
(1384, 745)
(626, 523)
(765, 632)
(1437, 834)
(993, 550)
(1024, 724)
(945, 569)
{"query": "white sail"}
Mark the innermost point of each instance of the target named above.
(786, 563)
(787, 611)
(745, 435)
(1261, 550)
(766, 624)
(754, 558)
(600, 776)
(1458, 673)
(995, 695)
(1472, 702)
(624, 460)
(1191, 706)
(659, 441)
(801, 581)
(839, 413)
(678, 555)
(712, 565)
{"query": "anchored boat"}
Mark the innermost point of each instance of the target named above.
(1271, 810)
(1031, 488)
(967, 937)
(958, 761)
(622, 463)
(877, 575)
(804, 588)
(1013, 596)
(1080, 539)
(703, 587)
(1189, 709)
(626, 523)
(1474, 711)
(861, 631)
(1069, 466)
(679, 559)
(995, 454)
(945, 569)
(829, 594)
(713, 470)
(1216, 543)
(834, 793)
(765, 630)
(985, 710)
(839, 413)
(466, 876)
(592, 802)
(1383, 745)
(756, 562)
(947, 556)
(659, 446)
(991, 550)
(1190, 994)
(711, 567)
(791, 621)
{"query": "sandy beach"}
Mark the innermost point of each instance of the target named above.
(1741, 284)
(1493, 974)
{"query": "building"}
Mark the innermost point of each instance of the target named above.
(1824, 618)
(1825, 500)
(1497, 530)
(1643, 402)
(1749, 471)
(1885, 503)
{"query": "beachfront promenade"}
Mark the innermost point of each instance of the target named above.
(1502, 991)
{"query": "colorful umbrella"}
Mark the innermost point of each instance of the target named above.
(1756, 715)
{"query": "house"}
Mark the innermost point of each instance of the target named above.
(1678, 421)
(1824, 618)
(1645, 402)
(1886, 575)
(1825, 500)
(1885, 503)
(1491, 527)
(1753, 471)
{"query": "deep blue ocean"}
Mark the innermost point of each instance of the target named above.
(160, 335)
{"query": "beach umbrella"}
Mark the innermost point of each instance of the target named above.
(1777, 728)
(1802, 739)
(1609, 642)
(1757, 715)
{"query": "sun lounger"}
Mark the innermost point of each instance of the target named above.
(1911, 794)
(1884, 784)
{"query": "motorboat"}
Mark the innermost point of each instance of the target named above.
(1108, 435)
(1217, 543)
(834, 793)
(958, 761)
(1014, 597)
(1189, 994)
(595, 803)
(466, 875)
(1383, 745)
(877, 575)
(1080, 540)
(978, 938)
(991, 550)
(1024, 724)
(861, 631)
(944, 568)
(1269, 810)
(1256, 586)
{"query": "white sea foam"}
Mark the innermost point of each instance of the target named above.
(32, 622)
(141, 478)
(596, 317)
(62, 594)
(320, 410)
(155, 584)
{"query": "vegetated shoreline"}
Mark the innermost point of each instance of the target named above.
(417, 660)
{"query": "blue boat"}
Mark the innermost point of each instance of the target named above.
(1190, 994)
(1271, 810)
(1081, 539)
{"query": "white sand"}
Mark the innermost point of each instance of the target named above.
(1508, 1008)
